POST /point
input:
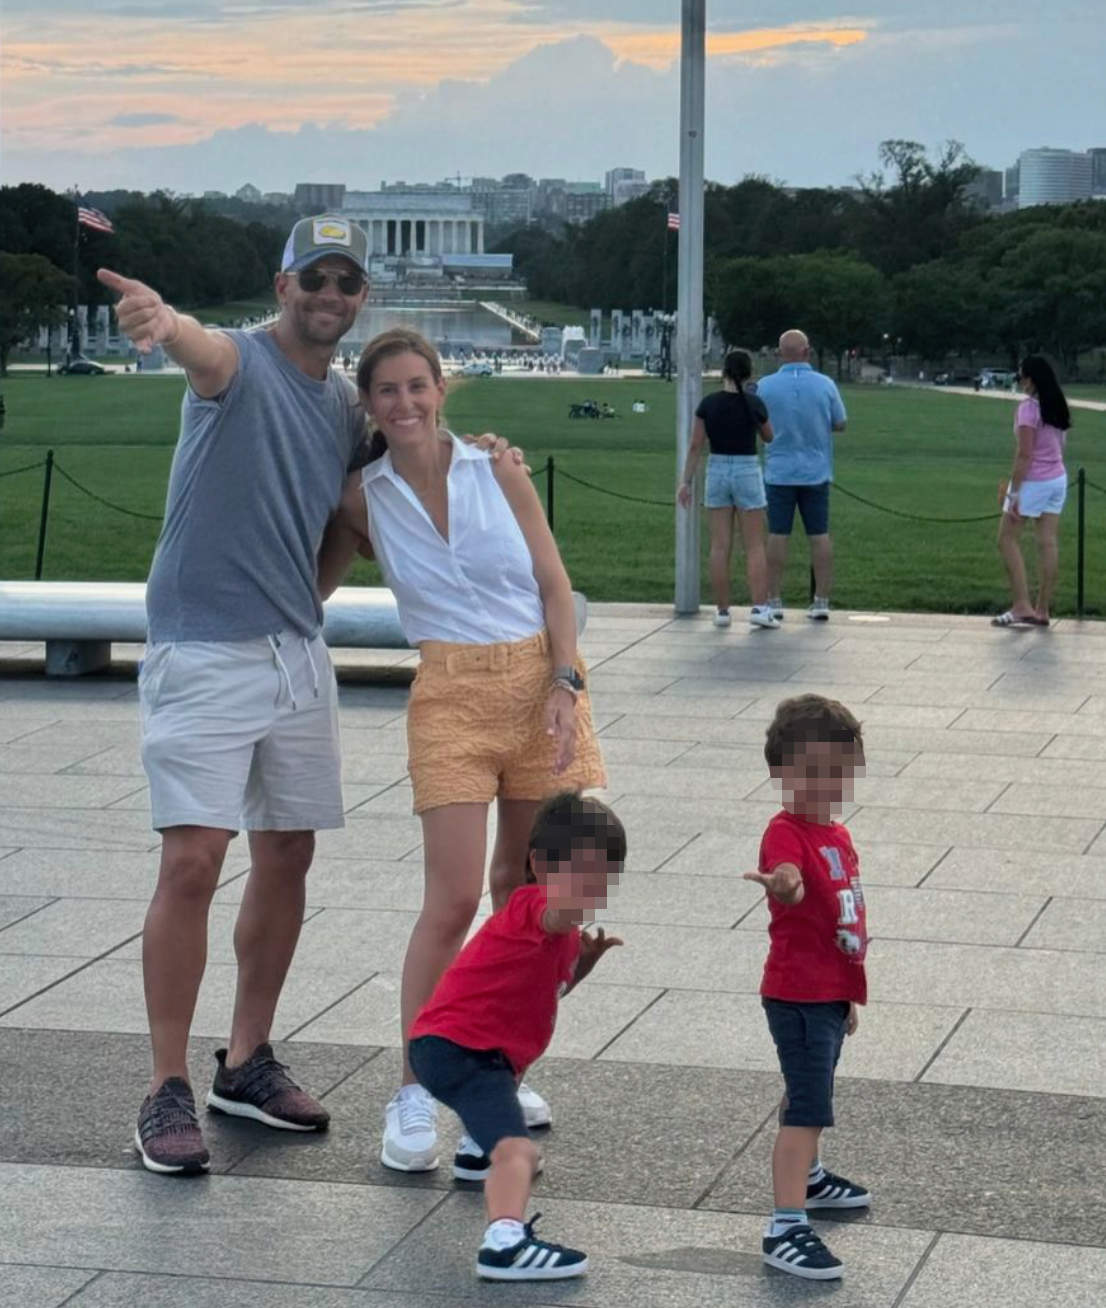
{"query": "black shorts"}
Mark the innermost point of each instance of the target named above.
(811, 501)
(480, 1086)
(808, 1041)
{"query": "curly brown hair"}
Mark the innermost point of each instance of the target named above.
(807, 718)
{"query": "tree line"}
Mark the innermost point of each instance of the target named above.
(192, 254)
(906, 261)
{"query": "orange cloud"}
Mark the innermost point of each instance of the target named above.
(659, 49)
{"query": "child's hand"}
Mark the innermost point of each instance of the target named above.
(853, 1019)
(592, 949)
(784, 883)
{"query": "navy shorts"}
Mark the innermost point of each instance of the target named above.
(478, 1084)
(811, 501)
(808, 1041)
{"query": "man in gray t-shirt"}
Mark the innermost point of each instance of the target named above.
(237, 694)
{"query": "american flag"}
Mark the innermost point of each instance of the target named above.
(93, 218)
(673, 222)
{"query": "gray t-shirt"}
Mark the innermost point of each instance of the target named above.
(256, 474)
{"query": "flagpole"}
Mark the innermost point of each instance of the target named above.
(689, 287)
(75, 334)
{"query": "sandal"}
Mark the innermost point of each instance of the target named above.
(1011, 619)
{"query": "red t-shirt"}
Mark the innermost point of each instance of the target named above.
(501, 990)
(817, 948)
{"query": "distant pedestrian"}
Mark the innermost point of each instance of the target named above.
(1037, 489)
(805, 409)
(730, 420)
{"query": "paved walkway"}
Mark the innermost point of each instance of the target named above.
(972, 1101)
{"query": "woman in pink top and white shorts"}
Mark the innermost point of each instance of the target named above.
(1037, 489)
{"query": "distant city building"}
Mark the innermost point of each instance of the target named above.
(571, 202)
(215, 195)
(1011, 183)
(624, 184)
(1050, 176)
(319, 197)
(985, 190)
(249, 193)
(506, 202)
(1098, 172)
(278, 198)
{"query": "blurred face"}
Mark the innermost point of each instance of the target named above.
(578, 887)
(1026, 385)
(405, 398)
(817, 781)
(323, 315)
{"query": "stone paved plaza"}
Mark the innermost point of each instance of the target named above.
(972, 1101)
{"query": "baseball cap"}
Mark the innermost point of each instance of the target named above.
(325, 234)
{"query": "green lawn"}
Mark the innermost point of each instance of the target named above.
(218, 315)
(920, 452)
(550, 312)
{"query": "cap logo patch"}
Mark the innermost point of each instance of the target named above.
(330, 232)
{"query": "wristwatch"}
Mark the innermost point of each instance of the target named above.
(570, 677)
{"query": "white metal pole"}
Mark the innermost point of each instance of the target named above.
(689, 325)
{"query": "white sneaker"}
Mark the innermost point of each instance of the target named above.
(760, 615)
(775, 606)
(721, 617)
(534, 1108)
(410, 1131)
(819, 610)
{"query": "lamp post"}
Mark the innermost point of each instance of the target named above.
(689, 316)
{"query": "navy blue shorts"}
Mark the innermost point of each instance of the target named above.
(811, 501)
(478, 1084)
(808, 1041)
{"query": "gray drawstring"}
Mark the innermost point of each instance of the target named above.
(282, 668)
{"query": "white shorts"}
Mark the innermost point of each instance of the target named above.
(241, 735)
(1037, 497)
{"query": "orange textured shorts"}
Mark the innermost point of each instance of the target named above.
(476, 726)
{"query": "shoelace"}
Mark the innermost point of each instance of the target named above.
(264, 1077)
(415, 1112)
(528, 1227)
(171, 1113)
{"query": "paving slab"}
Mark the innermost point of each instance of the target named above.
(40, 1287)
(648, 1256)
(966, 1272)
(1021, 871)
(14, 908)
(76, 928)
(691, 1028)
(22, 977)
(71, 1099)
(133, 1221)
(128, 1290)
(994, 1162)
(75, 828)
(1025, 1051)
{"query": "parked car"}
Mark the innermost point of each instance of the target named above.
(956, 379)
(997, 379)
(477, 368)
(82, 367)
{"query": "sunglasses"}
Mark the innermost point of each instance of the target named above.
(314, 279)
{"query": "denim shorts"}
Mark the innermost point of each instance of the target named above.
(478, 1084)
(808, 1042)
(811, 501)
(734, 481)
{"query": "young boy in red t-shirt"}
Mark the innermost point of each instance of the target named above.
(814, 974)
(493, 1011)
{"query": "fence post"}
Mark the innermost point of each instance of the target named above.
(549, 491)
(1081, 482)
(48, 477)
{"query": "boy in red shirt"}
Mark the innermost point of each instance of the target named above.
(493, 1011)
(814, 974)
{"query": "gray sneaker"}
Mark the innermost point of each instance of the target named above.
(819, 610)
(262, 1089)
(168, 1135)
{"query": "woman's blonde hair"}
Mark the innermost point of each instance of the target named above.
(386, 345)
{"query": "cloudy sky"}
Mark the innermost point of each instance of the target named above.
(199, 94)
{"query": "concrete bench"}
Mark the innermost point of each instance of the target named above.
(78, 620)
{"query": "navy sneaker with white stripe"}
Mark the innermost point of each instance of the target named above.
(831, 1191)
(801, 1252)
(530, 1260)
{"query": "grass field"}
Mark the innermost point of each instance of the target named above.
(919, 451)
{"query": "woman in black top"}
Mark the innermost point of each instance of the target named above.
(730, 420)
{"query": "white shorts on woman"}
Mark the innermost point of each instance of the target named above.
(1037, 497)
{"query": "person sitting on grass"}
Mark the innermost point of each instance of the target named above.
(814, 974)
(493, 1012)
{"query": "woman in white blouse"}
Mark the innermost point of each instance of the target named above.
(498, 708)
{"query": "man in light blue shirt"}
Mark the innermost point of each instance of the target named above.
(805, 409)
